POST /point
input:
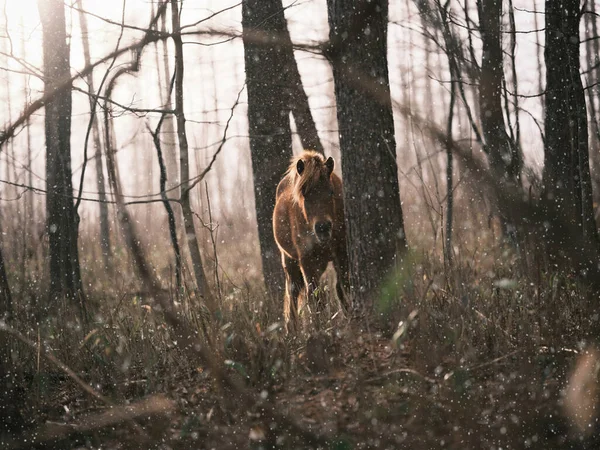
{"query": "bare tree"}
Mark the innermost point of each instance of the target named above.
(168, 138)
(102, 204)
(374, 220)
(188, 216)
(567, 182)
(62, 221)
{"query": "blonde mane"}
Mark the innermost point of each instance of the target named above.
(314, 165)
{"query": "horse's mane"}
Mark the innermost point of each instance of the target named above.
(314, 164)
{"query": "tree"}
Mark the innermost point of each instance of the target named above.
(102, 204)
(186, 209)
(503, 153)
(295, 94)
(62, 221)
(270, 90)
(567, 183)
(374, 221)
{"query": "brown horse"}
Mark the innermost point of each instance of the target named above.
(308, 224)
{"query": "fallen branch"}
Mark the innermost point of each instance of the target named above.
(157, 405)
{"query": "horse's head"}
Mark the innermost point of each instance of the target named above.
(314, 193)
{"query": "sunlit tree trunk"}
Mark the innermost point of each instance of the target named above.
(374, 221)
(269, 124)
(62, 221)
(567, 183)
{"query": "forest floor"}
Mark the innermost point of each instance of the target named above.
(477, 356)
(368, 393)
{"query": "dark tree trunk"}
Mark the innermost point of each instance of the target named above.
(294, 90)
(10, 416)
(503, 154)
(567, 181)
(374, 222)
(62, 221)
(269, 123)
(593, 67)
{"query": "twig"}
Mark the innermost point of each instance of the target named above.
(212, 230)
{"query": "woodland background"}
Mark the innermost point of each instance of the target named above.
(476, 316)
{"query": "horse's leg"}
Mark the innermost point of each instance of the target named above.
(312, 269)
(340, 263)
(294, 285)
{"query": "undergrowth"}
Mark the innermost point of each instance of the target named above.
(472, 354)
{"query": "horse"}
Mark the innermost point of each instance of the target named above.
(309, 229)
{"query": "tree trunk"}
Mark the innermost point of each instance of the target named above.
(374, 221)
(188, 215)
(294, 90)
(10, 416)
(102, 204)
(592, 50)
(168, 137)
(269, 124)
(62, 221)
(501, 150)
(567, 183)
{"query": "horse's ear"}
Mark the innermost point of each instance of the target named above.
(300, 166)
(329, 164)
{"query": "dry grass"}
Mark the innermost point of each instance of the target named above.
(470, 356)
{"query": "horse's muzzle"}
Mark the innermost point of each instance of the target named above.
(323, 231)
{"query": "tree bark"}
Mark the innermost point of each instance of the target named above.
(567, 183)
(374, 221)
(269, 124)
(102, 204)
(592, 50)
(11, 419)
(502, 152)
(296, 95)
(168, 137)
(188, 215)
(62, 221)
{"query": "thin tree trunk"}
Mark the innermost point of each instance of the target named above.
(513, 66)
(539, 53)
(168, 141)
(102, 204)
(449, 252)
(167, 204)
(28, 209)
(188, 215)
(374, 220)
(62, 221)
